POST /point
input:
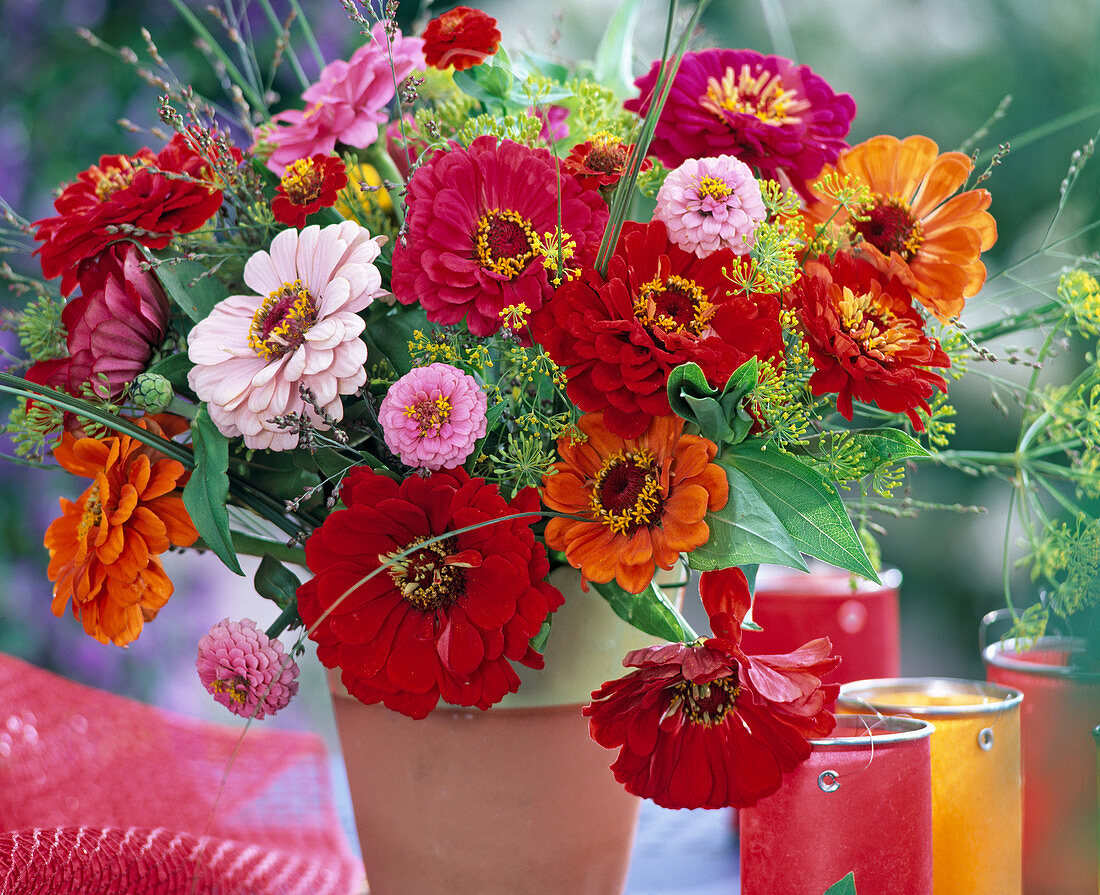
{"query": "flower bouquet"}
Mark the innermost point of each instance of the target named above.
(445, 320)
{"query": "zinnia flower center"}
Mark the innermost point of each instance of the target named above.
(505, 243)
(429, 414)
(93, 514)
(113, 179)
(674, 304)
(281, 323)
(627, 494)
(877, 330)
(713, 188)
(704, 703)
(236, 687)
(891, 227)
(763, 96)
(432, 577)
(606, 153)
(302, 181)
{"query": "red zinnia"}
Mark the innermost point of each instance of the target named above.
(601, 160)
(445, 621)
(129, 190)
(660, 307)
(307, 186)
(474, 227)
(112, 328)
(866, 340)
(772, 114)
(460, 39)
(706, 726)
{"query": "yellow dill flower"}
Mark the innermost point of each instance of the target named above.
(1080, 293)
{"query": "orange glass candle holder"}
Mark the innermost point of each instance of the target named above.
(859, 617)
(977, 814)
(862, 803)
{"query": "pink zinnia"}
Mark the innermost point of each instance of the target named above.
(349, 101)
(113, 326)
(474, 217)
(245, 670)
(710, 203)
(433, 416)
(252, 353)
(776, 116)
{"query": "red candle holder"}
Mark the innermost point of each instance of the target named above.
(861, 802)
(1061, 706)
(859, 617)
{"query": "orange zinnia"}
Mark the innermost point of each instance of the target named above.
(645, 499)
(103, 547)
(914, 226)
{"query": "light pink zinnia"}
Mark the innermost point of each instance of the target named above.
(349, 101)
(245, 670)
(253, 352)
(433, 416)
(711, 203)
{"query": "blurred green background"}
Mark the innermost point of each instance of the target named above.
(934, 67)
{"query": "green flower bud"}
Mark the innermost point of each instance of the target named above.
(151, 392)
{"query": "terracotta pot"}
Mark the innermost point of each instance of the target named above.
(513, 801)
(1061, 707)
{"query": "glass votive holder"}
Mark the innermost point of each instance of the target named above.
(859, 617)
(977, 814)
(862, 803)
(1061, 705)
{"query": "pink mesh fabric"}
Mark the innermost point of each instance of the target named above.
(102, 794)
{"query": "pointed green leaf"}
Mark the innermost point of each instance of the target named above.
(538, 642)
(207, 491)
(276, 582)
(190, 286)
(174, 368)
(846, 886)
(719, 413)
(745, 531)
(808, 506)
(650, 611)
(614, 62)
(388, 336)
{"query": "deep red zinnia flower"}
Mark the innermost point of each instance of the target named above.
(447, 620)
(475, 216)
(660, 307)
(460, 39)
(600, 160)
(772, 114)
(307, 186)
(134, 191)
(866, 340)
(112, 327)
(704, 725)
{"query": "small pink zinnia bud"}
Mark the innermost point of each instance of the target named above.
(711, 203)
(433, 416)
(245, 670)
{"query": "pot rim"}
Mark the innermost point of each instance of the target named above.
(1004, 653)
(882, 730)
(874, 694)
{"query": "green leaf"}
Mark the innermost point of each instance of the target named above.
(745, 532)
(174, 368)
(207, 491)
(878, 446)
(805, 503)
(719, 413)
(276, 582)
(190, 286)
(388, 336)
(846, 886)
(614, 62)
(538, 642)
(650, 611)
(491, 82)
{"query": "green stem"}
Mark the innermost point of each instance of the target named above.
(286, 618)
(250, 545)
(380, 160)
(288, 50)
(303, 23)
(253, 97)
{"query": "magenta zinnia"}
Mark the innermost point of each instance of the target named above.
(411, 619)
(474, 227)
(776, 116)
(705, 725)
